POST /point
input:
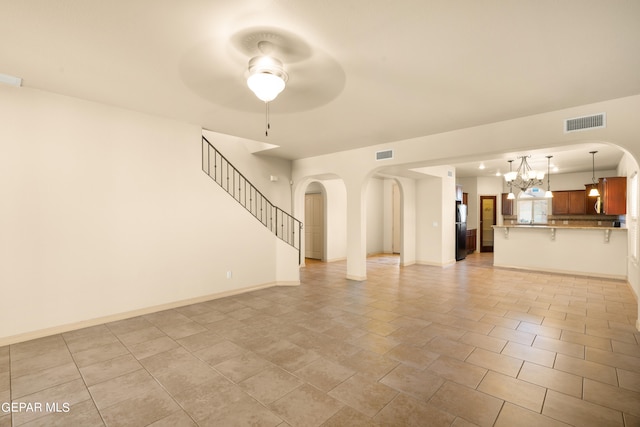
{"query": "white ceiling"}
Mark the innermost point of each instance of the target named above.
(361, 72)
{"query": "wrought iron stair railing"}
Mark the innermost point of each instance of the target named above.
(282, 224)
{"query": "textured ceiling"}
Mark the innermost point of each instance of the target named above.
(361, 72)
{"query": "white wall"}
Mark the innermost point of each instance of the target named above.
(375, 216)
(336, 217)
(107, 211)
(435, 219)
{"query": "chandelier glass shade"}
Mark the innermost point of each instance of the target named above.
(524, 177)
(267, 77)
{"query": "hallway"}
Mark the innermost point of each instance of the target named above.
(411, 346)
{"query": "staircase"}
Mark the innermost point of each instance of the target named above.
(284, 226)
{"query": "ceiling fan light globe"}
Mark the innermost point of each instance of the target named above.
(265, 86)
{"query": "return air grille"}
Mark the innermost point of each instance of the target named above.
(585, 123)
(384, 155)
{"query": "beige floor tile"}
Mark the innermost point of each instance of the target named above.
(628, 380)
(587, 369)
(121, 388)
(82, 413)
(270, 384)
(578, 412)
(558, 346)
(219, 352)
(176, 419)
(407, 411)
(306, 406)
(463, 373)
(484, 341)
(100, 353)
(324, 374)
(512, 335)
(500, 321)
(513, 415)
(137, 336)
(143, 409)
(37, 347)
(496, 362)
(551, 378)
(525, 352)
(363, 395)
(616, 360)
(477, 407)
(407, 333)
(539, 330)
(448, 347)
(151, 347)
(178, 369)
(122, 327)
(586, 340)
(373, 365)
(347, 416)
(418, 358)
(183, 330)
(408, 380)
(626, 348)
(40, 380)
(241, 367)
(200, 340)
(72, 393)
(39, 362)
(624, 400)
(512, 390)
(109, 369)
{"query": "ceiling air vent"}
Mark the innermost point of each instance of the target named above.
(585, 123)
(384, 155)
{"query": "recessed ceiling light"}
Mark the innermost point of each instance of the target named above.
(481, 166)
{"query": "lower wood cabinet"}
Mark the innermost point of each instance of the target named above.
(471, 240)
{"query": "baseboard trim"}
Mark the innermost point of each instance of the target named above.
(568, 272)
(41, 333)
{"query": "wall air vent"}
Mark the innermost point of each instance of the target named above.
(384, 155)
(585, 123)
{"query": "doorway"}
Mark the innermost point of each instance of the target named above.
(487, 221)
(314, 226)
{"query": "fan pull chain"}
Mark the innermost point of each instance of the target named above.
(267, 124)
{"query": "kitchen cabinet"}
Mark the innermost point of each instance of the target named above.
(613, 196)
(568, 202)
(507, 205)
(471, 240)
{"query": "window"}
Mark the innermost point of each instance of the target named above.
(532, 207)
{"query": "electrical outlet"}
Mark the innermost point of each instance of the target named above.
(229, 274)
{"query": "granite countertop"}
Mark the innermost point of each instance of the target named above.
(575, 227)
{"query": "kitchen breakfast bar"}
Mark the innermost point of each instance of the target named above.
(587, 251)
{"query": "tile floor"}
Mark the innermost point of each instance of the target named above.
(411, 346)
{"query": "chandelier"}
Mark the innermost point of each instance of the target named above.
(524, 177)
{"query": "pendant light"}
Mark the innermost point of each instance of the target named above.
(548, 194)
(510, 196)
(594, 187)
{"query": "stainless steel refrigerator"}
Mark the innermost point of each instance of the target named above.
(461, 231)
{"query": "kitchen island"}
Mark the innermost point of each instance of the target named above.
(587, 251)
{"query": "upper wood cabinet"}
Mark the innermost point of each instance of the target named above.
(507, 205)
(613, 196)
(568, 202)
